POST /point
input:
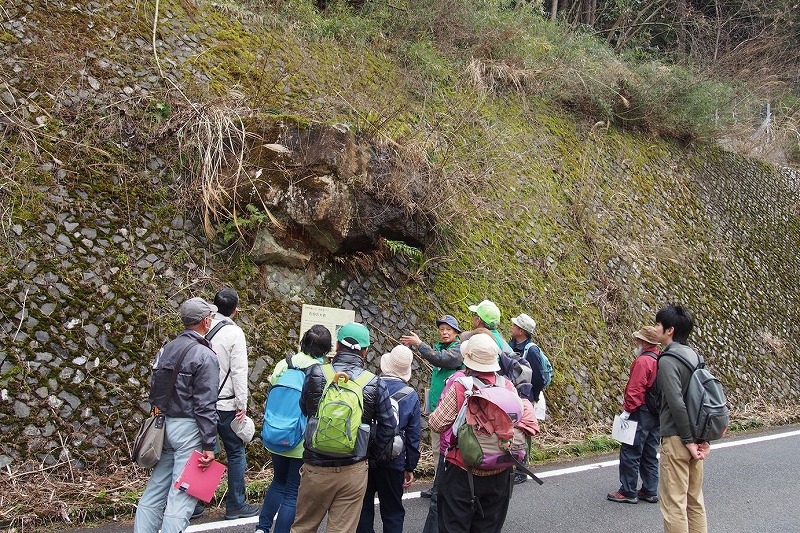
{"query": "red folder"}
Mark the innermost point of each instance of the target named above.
(202, 484)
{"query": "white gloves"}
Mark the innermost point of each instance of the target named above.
(625, 415)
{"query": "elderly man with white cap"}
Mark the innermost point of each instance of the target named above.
(184, 387)
(394, 471)
(522, 327)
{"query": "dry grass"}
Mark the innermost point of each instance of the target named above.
(213, 137)
(489, 75)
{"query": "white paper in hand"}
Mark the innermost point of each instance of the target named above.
(624, 430)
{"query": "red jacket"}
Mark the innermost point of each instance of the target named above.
(643, 375)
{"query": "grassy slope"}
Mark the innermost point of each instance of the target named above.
(548, 212)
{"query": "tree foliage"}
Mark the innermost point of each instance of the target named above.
(747, 39)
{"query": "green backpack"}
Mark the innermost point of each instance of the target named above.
(337, 430)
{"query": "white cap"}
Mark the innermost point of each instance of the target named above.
(244, 429)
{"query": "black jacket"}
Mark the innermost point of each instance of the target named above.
(377, 406)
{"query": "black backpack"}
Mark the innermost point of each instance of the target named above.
(652, 396)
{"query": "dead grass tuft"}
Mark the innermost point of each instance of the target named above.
(773, 344)
(214, 138)
(493, 75)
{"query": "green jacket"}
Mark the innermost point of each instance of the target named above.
(446, 359)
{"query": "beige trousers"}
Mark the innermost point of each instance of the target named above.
(337, 491)
(680, 488)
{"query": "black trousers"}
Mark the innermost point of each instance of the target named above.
(458, 513)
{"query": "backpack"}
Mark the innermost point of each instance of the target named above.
(396, 448)
(399, 436)
(652, 396)
(547, 368)
(284, 422)
(518, 370)
(486, 427)
(337, 430)
(705, 401)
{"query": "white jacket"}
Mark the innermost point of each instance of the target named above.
(231, 348)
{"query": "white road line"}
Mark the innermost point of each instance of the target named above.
(716, 446)
(211, 526)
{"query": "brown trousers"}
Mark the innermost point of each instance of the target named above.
(337, 491)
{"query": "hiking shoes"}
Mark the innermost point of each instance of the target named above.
(199, 509)
(520, 478)
(621, 498)
(649, 498)
(245, 511)
(426, 493)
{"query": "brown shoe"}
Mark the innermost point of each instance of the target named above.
(621, 498)
(649, 498)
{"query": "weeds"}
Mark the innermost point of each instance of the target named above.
(213, 137)
(239, 224)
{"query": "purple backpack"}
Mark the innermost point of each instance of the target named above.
(486, 426)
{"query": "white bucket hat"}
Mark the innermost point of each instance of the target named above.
(244, 429)
(480, 353)
(397, 363)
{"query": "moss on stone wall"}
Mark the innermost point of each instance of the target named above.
(586, 229)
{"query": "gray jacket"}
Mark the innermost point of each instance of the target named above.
(673, 379)
(195, 392)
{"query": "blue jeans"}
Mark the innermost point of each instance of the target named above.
(237, 464)
(281, 496)
(640, 458)
(161, 505)
(388, 484)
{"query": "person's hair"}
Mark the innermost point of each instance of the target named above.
(226, 301)
(316, 342)
(678, 317)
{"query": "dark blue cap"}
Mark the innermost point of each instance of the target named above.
(451, 321)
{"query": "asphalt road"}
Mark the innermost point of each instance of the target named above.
(751, 485)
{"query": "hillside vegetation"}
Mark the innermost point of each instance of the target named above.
(559, 178)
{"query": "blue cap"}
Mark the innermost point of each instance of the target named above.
(451, 321)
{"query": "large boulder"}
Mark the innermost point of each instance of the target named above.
(323, 180)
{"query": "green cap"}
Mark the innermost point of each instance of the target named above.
(353, 335)
(488, 312)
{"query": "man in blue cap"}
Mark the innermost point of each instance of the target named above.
(445, 356)
(335, 483)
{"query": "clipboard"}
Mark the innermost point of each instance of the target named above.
(624, 430)
(202, 484)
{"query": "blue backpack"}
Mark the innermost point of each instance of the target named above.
(284, 423)
(547, 368)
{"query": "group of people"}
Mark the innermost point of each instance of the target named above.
(310, 483)
(654, 399)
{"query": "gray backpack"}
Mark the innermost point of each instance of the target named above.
(705, 401)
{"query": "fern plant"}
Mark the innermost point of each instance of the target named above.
(239, 225)
(414, 255)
